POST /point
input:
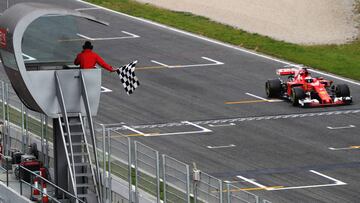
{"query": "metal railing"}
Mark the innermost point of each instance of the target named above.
(207, 189)
(147, 170)
(236, 194)
(6, 168)
(176, 177)
(65, 194)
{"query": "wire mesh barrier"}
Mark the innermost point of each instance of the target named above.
(176, 180)
(147, 170)
(207, 188)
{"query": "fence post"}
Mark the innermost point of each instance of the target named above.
(7, 170)
(129, 174)
(42, 136)
(228, 192)
(136, 171)
(3, 115)
(22, 128)
(221, 191)
(104, 166)
(164, 176)
(20, 179)
(196, 177)
(47, 142)
(27, 128)
(7, 144)
(158, 177)
(109, 167)
(195, 191)
(188, 182)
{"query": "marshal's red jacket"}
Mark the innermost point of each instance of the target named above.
(87, 59)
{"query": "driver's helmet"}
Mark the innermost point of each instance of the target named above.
(309, 79)
(304, 72)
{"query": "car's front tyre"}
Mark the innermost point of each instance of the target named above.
(297, 93)
(342, 90)
(273, 88)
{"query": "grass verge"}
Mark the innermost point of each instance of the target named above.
(339, 59)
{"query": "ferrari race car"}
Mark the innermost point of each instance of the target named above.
(306, 91)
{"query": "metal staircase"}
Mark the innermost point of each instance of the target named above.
(84, 180)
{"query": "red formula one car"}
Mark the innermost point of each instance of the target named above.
(307, 91)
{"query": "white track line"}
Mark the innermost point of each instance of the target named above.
(161, 64)
(86, 9)
(344, 148)
(222, 125)
(29, 58)
(131, 34)
(219, 147)
(337, 183)
(85, 37)
(257, 97)
(215, 63)
(252, 182)
(109, 38)
(261, 98)
(328, 177)
(136, 131)
(304, 187)
(245, 119)
(203, 130)
(104, 89)
(218, 42)
(341, 127)
(198, 126)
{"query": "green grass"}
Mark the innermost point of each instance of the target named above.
(340, 59)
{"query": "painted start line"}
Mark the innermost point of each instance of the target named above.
(233, 121)
(333, 182)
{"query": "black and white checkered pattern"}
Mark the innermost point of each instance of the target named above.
(128, 78)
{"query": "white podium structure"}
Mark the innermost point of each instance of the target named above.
(38, 43)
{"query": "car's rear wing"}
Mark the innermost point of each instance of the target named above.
(286, 71)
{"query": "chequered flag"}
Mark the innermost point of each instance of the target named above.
(128, 78)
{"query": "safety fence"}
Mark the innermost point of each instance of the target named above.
(208, 188)
(131, 171)
(147, 172)
(25, 126)
(166, 179)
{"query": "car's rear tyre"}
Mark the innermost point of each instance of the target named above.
(342, 90)
(273, 88)
(297, 93)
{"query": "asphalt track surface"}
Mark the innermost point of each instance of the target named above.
(280, 152)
